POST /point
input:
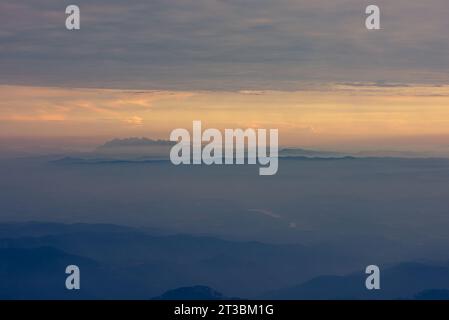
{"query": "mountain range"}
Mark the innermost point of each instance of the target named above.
(128, 263)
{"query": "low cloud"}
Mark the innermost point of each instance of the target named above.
(134, 120)
(266, 213)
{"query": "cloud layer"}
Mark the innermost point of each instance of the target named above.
(222, 44)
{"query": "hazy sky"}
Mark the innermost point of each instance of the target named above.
(309, 68)
(349, 116)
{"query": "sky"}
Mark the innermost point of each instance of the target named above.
(309, 68)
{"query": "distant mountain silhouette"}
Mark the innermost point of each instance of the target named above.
(298, 152)
(158, 262)
(106, 161)
(191, 293)
(133, 149)
(36, 229)
(127, 263)
(133, 142)
(433, 294)
(39, 273)
(149, 147)
(403, 281)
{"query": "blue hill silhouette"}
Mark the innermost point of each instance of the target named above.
(126, 263)
(191, 293)
(402, 281)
